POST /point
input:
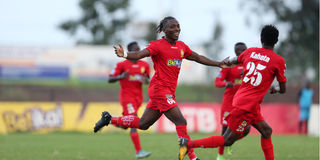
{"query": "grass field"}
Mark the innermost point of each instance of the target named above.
(117, 146)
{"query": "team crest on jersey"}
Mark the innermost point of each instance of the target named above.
(142, 69)
(181, 53)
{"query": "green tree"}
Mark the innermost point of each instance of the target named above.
(102, 19)
(301, 46)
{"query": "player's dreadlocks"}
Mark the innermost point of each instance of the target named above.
(163, 23)
(269, 35)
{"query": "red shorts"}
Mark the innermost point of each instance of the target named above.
(130, 107)
(162, 104)
(239, 119)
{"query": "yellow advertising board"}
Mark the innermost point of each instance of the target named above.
(44, 117)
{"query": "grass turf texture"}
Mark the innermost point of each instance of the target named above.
(118, 146)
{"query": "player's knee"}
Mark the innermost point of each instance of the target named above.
(143, 126)
(267, 132)
(228, 141)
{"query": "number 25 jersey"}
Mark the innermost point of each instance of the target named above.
(260, 67)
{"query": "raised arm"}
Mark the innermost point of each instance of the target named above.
(205, 61)
(134, 55)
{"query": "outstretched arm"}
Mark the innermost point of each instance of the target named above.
(117, 78)
(206, 61)
(134, 55)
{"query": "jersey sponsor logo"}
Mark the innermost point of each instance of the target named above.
(181, 53)
(170, 99)
(174, 47)
(258, 56)
(174, 62)
(130, 108)
(135, 77)
(242, 126)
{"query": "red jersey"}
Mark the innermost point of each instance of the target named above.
(167, 59)
(225, 75)
(261, 66)
(131, 87)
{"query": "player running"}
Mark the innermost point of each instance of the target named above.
(167, 54)
(132, 74)
(261, 66)
(230, 78)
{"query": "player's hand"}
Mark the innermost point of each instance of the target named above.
(145, 79)
(229, 85)
(124, 75)
(274, 90)
(119, 50)
(224, 63)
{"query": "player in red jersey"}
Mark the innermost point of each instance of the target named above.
(230, 78)
(167, 54)
(132, 74)
(261, 66)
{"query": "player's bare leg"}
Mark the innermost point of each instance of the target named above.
(266, 143)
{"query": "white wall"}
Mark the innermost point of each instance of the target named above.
(314, 124)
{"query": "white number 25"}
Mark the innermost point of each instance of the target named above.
(254, 71)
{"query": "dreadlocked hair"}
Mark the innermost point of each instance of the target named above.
(163, 23)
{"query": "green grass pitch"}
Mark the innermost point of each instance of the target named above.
(118, 146)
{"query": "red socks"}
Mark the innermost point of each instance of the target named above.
(267, 147)
(126, 121)
(221, 150)
(136, 141)
(182, 132)
(210, 142)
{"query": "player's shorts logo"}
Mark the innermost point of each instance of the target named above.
(242, 126)
(225, 114)
(130, 108)
(170, 99)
